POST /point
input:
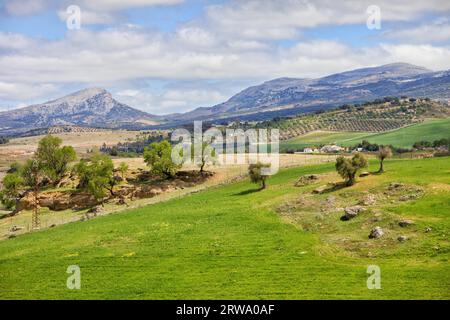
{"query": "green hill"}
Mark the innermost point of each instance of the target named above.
(405, 137)
(232, 242)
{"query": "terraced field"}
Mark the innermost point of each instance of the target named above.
(234, 242)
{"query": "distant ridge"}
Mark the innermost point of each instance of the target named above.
(92, 107)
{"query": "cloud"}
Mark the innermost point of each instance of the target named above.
(91, 8)
(172, 100)
(25, 7)
(437, 31)
(234, 44)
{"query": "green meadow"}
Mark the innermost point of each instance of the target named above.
(235, 242)
(405, 137)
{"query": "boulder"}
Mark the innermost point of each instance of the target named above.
(428, 229)
(405, 223)
(402, 238)
(15, 229)
(320, 189)
(376, 233)
(352, 212)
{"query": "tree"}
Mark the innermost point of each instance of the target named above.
(33, 173)
(256, 175)
(54, 158)
(9, 195)
(159, 157)
(96, 175)
(208, 155)
(348, 168)
(123, 168)
(383, 153)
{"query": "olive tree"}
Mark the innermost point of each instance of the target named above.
(53, 158)
(383, 153)
(255, 172)
(96, 175)
(348, 168)
(158, 156)
(12, 183)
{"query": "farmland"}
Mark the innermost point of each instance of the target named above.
(404, 137)
(233, 242)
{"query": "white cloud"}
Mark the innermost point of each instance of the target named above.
(437, 31)
(25, 7)
(172, 100)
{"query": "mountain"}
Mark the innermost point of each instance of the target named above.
(285, 96)
(91, 107)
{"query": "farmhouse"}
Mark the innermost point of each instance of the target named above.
(331, 149)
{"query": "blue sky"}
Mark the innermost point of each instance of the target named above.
(165, 56)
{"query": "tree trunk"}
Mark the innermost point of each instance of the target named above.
(381, 170)
(263, 184)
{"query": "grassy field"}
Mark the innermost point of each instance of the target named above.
(404, 137)
(232, 242)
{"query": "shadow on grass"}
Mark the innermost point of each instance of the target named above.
(243, 193)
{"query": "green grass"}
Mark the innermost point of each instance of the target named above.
(230, 243)
(404, 137)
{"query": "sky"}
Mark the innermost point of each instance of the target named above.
(166, 56)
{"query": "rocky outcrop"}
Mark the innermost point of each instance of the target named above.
(56, 201)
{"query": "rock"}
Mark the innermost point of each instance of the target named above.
(306, 179)
(320, 189)
(52, 225)
(352, 212)
(121, 201)
(395, 185)
(368, 200)
(96, 209)
(428, 229)
(15, 229)
(402, 238)
(405, 223)
(376, 233)
(364, 174)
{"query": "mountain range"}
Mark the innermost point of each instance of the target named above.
(284, 96)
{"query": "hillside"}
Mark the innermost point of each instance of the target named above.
(231, 242)
(289, 96)
(429, 130)
(372, 117)
(92, 107)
